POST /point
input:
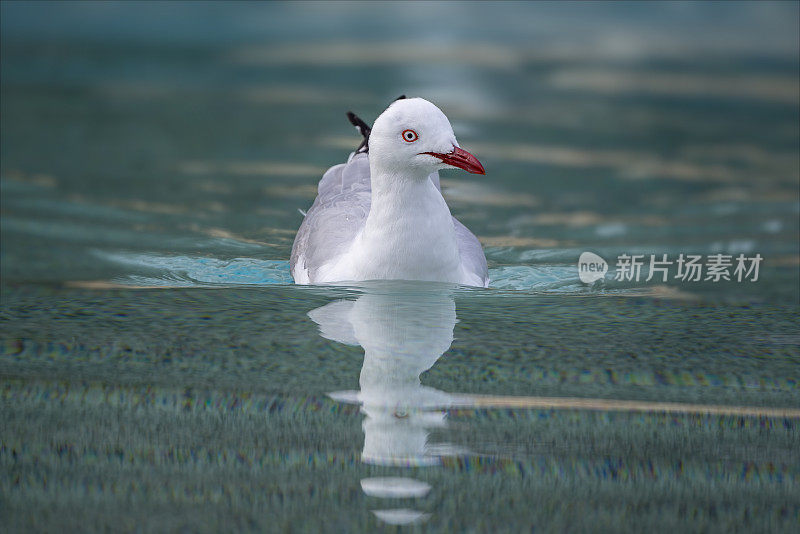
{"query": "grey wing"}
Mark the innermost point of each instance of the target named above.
(333, 221)
(471, 251)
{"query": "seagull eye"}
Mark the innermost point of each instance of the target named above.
(410, 136)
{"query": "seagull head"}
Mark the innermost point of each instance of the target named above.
(414, 137)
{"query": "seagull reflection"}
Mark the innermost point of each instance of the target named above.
(404, 328)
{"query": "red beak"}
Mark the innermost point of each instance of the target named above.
(460, 158)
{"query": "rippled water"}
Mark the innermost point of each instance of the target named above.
(160, 371)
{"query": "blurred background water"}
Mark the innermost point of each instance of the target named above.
(161, 372)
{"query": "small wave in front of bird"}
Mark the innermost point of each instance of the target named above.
(189, 271)
(149, 269)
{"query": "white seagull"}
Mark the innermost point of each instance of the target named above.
(381, 215)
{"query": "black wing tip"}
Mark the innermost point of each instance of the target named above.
(359, 123)
(364, 128)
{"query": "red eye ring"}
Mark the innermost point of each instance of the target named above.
(409, 136)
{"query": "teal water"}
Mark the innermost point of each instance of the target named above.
(160, 371)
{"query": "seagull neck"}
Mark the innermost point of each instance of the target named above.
(409, 232)
(401, 196)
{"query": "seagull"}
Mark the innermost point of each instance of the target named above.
(381, 215)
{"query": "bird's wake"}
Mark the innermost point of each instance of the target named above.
(159, 270)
